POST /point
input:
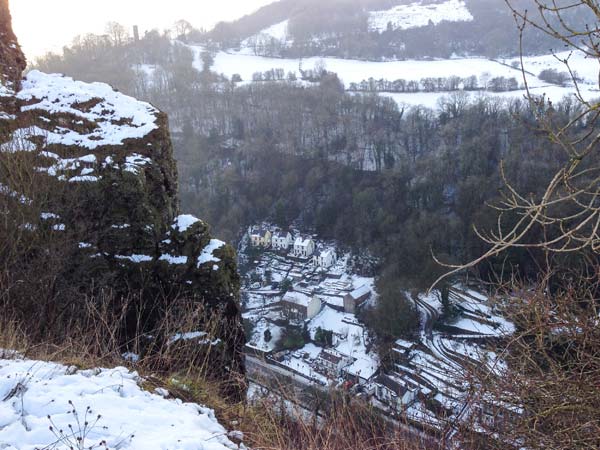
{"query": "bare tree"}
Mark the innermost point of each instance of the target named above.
(182, 28)
(545, 394)
(117, 33)
(567, 213)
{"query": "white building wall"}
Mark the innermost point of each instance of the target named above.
(314, 307)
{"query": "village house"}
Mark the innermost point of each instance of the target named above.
(394, 393)
(401, 351)
(325, 259)
(260, 237)
(296, 306)
(282, 240)
(332, 362)
(356, 298)
(496, 414)
(304, 247)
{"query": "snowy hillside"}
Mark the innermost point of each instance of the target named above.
(279, 32)
(354, 71)
(50, 406)
(417, 14)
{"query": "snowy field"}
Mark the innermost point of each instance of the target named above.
(354, 71)
(47, 405)
(415, 15)
(433, 99)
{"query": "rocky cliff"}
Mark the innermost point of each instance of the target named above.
(109, 159)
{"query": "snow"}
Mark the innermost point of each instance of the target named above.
(134, 162)
(174, 259)
(258, 335)
(187, 336)
(19, 142)
(48, 216)
(207, 254)
(83, 179)
(135, 258)
(36, 395)
(297, 298)
(352, 342)
(586, 67)
(361, 291)
(4, 91)
(116, 117)
(475, 327)
(355, 71)
(417, 14)
(279, 32)
(184, 222)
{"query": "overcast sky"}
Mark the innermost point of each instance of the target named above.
(44, 25)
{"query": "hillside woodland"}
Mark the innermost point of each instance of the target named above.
(510, 185)
(340, 28)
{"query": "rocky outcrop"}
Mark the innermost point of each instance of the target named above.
(109, 159)
(12, 65)
(12, 60)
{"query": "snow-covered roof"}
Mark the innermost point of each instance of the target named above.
(332, 356)
(303, 241)
(261, 232)
(365, 289)
(404, 344)
(297, 298)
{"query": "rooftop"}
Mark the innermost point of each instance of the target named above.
(365, 289)
(297, 298)
(331, 355)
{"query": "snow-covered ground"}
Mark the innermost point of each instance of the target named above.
(279, 32)
(432, 100)
(587, 68)
(417, 14)
(116, 117)
(49, 406)
(355, 71)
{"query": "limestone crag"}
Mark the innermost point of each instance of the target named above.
(110, 160)
(12, 65)
(12, 60)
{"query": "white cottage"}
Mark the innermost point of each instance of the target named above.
(282, 240)
(325, 259)
(304, 247)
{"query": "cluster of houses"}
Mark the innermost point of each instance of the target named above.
(315, 291)
(298, 246)
(298, 306)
